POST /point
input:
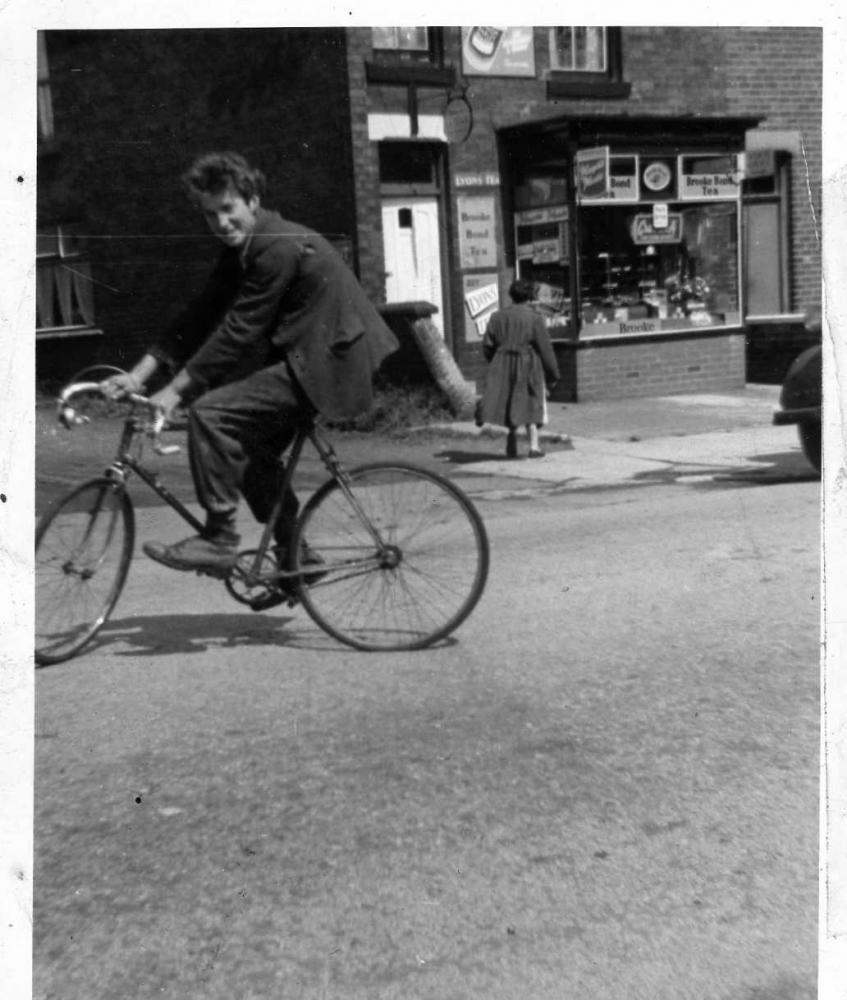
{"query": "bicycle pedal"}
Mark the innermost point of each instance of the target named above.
(272, 599)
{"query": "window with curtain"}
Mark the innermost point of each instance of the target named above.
(579, 50)
(64, 297)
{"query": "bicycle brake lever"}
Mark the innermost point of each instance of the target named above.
(68, 417)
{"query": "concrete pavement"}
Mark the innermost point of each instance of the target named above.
(640, 441)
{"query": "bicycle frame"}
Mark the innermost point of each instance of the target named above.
(306, 431)
(125, 460)
(385, 556)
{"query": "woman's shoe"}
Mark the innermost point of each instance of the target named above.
(512, 446)
(536, 454)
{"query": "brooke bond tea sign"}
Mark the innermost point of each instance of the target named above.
(698, 187)
(592, 172)
(477, 246)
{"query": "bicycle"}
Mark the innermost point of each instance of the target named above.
(397, 555)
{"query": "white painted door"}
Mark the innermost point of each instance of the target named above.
(413, 253)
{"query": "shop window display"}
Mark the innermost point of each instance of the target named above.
(682, 274)
(650, 258)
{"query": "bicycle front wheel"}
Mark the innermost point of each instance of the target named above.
(83, 549)
(404, 557)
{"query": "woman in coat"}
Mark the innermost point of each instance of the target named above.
(522, 367)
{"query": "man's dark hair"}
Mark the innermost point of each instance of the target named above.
(521, 290)
(215, 172)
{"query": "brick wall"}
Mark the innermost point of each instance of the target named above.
(365, 161)
(132, 108)
(774, 73)
(660, 367)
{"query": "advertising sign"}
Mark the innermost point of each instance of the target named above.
(534, 216)
(657, 176)
(550, 295)
(644, 230)
(621, 328)
(482, 298)
(477, 244)
(592, 172)
(758, 162)
(620, 189)
(487, 178)
(698, 187)
(498, 52)
(622, 184)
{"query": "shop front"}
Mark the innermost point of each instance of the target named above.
(631, 230)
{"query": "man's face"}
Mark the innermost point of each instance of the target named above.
(229, 216)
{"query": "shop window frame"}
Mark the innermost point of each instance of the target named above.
(608, 83)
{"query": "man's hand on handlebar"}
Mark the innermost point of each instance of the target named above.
(121, 385)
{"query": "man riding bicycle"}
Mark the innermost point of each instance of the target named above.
(282, 302)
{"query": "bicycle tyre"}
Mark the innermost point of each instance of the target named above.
(83, 548)
(426, 583)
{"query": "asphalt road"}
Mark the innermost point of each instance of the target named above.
(604, 786)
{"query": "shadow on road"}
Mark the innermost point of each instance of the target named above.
(783, 467)
(457, 457)
(163, 635)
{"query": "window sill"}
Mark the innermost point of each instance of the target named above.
(614, 337)
(600, 88)
(423, 75)
(63, 332)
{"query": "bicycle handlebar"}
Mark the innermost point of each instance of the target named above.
(69, 418)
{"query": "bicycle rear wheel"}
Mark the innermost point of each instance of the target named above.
(83, 549)
(400, 572)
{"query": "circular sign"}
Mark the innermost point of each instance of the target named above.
(458, 120)
(657, 176)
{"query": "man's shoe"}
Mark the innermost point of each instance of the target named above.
(215, 557)
(271, 599)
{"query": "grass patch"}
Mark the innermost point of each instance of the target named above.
(397, 408)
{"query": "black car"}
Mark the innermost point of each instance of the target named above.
(800, 402)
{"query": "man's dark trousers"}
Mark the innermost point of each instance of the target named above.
(236, 434)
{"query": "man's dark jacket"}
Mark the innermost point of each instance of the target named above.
(288, 295)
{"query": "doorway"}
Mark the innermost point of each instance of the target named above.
(410, 228)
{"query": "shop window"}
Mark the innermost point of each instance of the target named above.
(667, 270)
(45, 98)
(64, 298)
(647, 258)
(585, 62)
